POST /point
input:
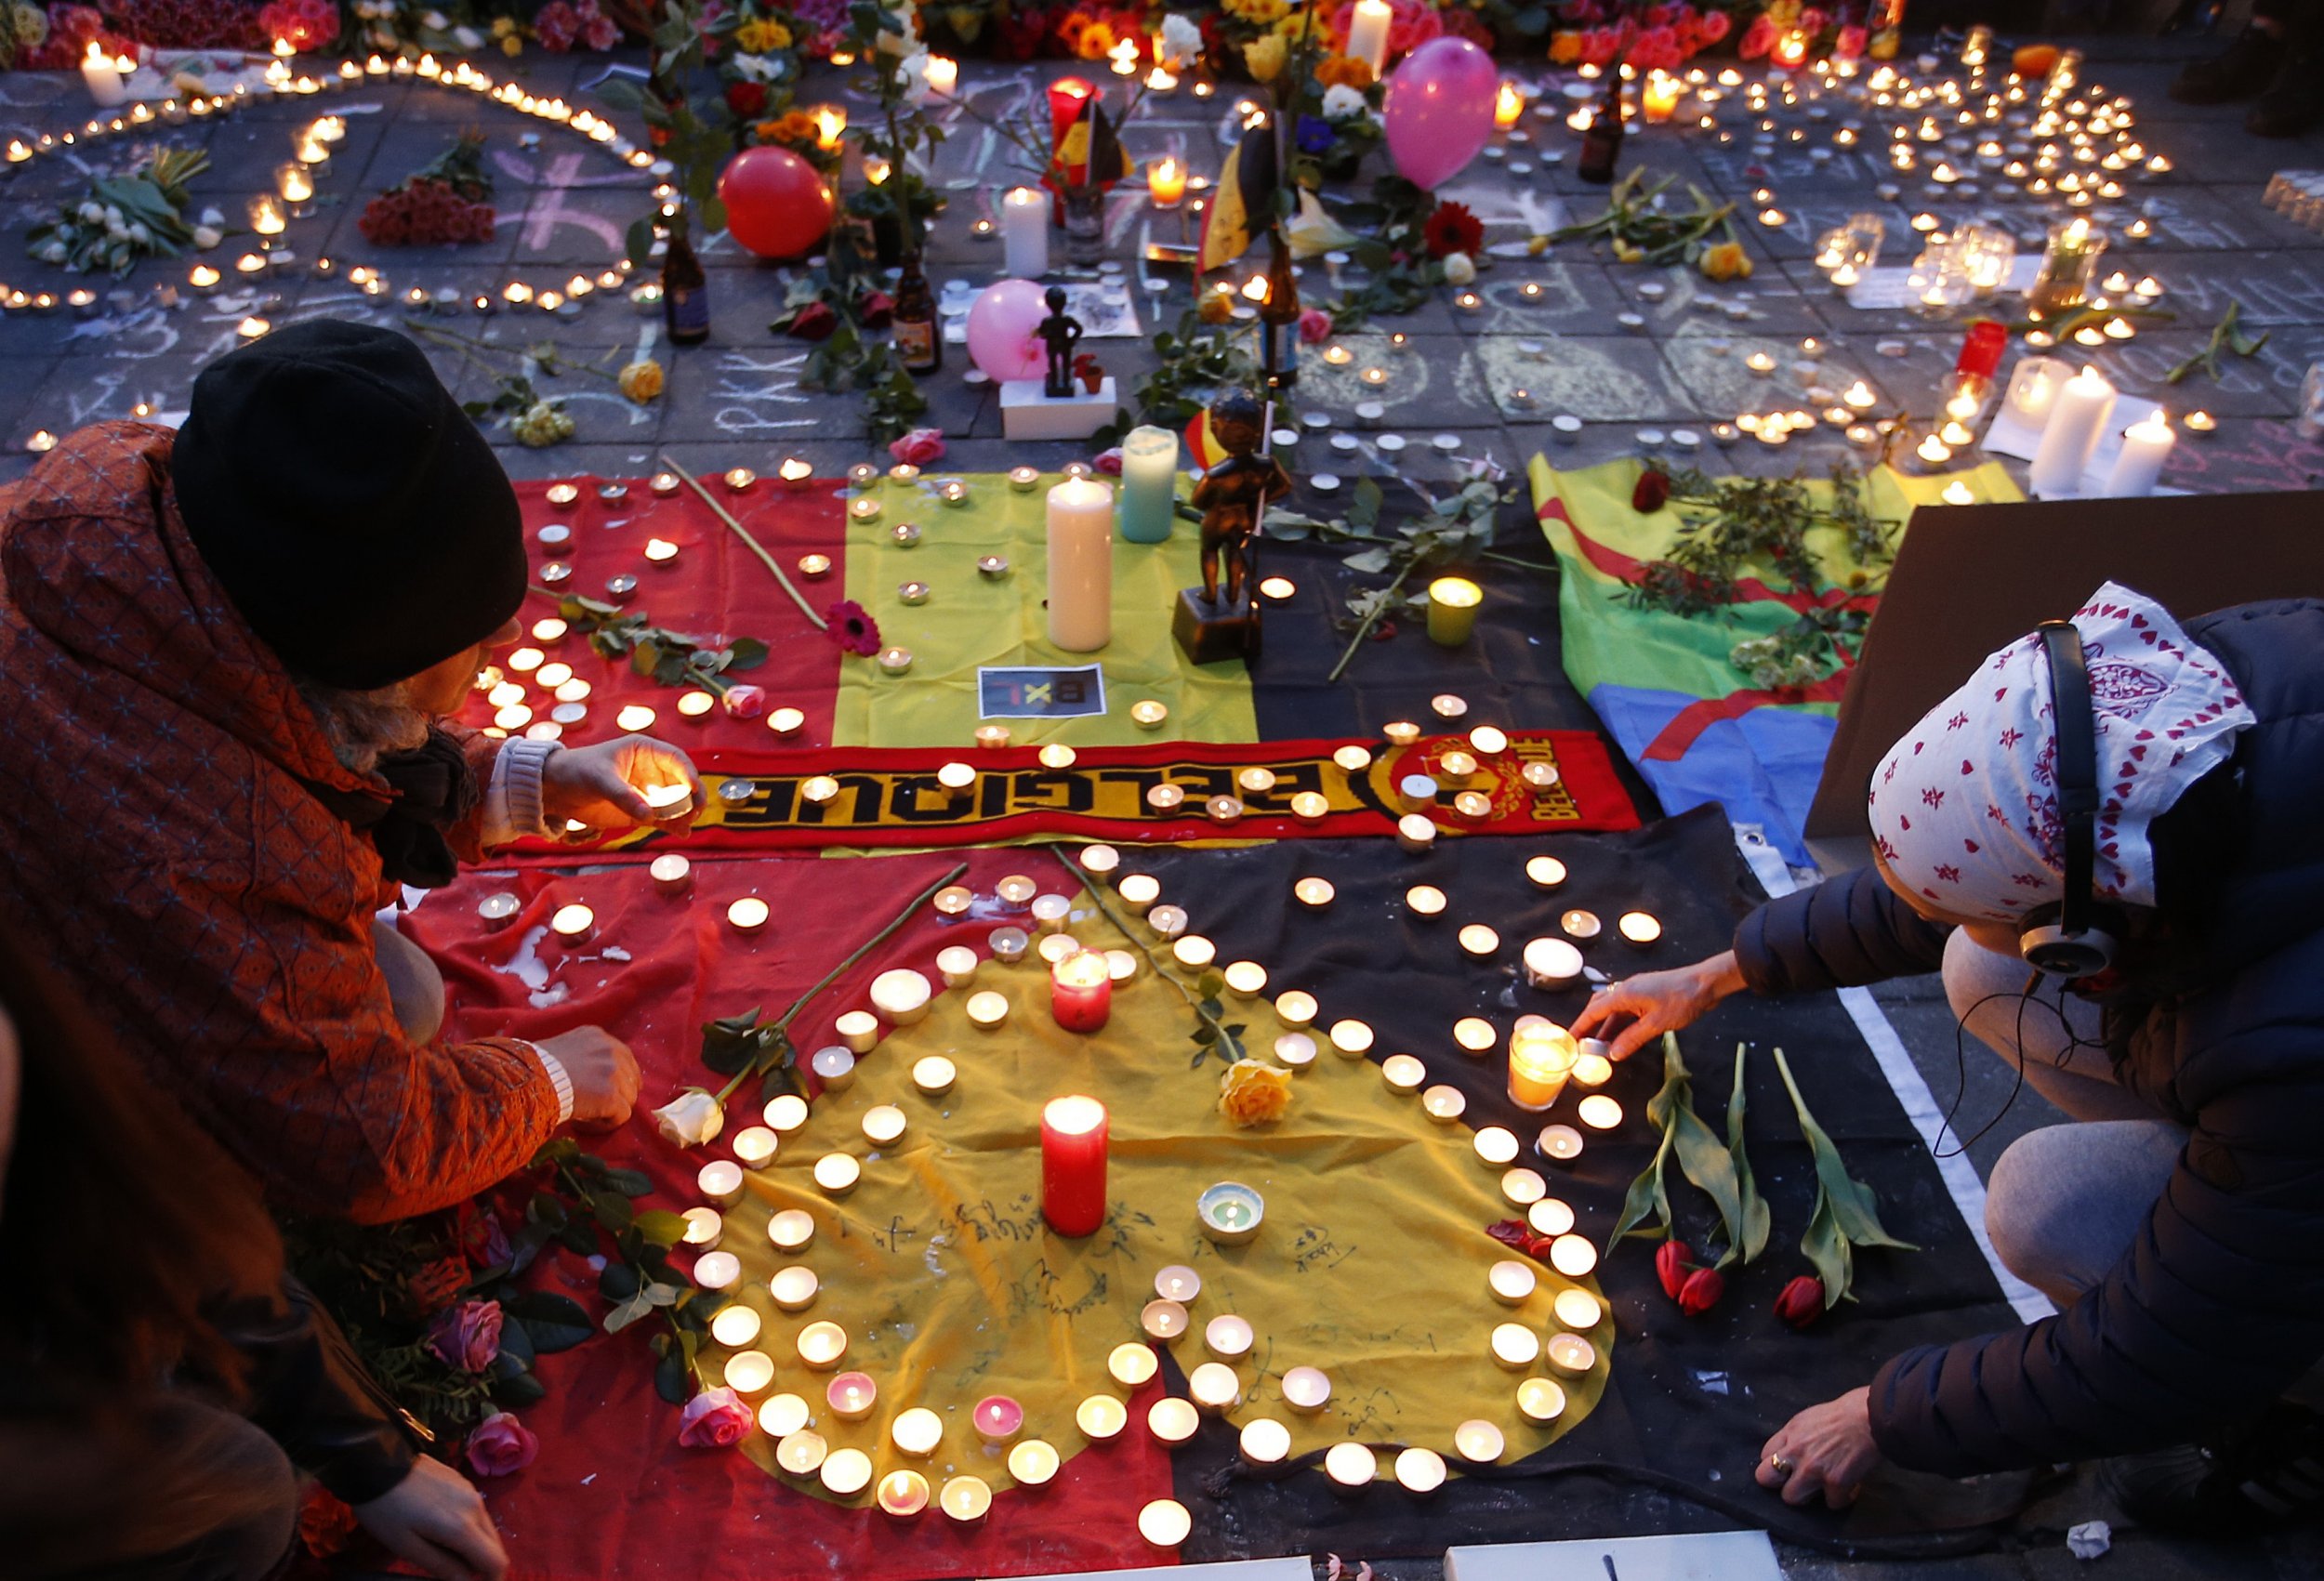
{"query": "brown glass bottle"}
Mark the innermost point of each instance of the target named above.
(1279, 317)
(919, 338)
(1602, 144)
(686, 290)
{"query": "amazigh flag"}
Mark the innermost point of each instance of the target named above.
(1090, 153)
(1244, 203)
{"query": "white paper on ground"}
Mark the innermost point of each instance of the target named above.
(1701, 1556)
(1886, 287)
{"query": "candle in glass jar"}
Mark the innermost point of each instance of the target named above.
(1166, 182)
(1072, 1160)
(1080, 565)
(1542, 1055)
(1081, 991)
(1452, 610)
(1149, 502)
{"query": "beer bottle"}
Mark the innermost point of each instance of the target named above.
(919, 338)
(1279, 317)
(685, 289)
(1602, 144)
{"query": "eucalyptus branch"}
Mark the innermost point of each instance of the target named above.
(756, 548)
(778, 1031)
(1226, 1037)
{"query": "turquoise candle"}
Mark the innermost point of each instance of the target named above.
(1149, 484)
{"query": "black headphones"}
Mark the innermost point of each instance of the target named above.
(2065, 939)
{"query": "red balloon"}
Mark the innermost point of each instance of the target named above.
(776, 204)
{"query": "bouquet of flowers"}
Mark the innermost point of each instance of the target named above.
(123, 217)
(446, 202)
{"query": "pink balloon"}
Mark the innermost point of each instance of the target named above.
(1001, 323)
(1439, 110)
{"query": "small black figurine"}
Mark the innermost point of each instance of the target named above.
(1234, 493)
(1059, 332)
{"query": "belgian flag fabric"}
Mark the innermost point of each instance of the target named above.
(1240, 209)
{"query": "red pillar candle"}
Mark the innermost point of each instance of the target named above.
(1073, 1164)
(1081, 991)
(1066, 95)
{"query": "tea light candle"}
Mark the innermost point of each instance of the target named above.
(1496, 1147)
(903, 1494)
(1444, 1105)
(734, 1328)
(1420, 1471)
(1168, 922)
(754, 1147)
(1214, 1387)
(1590, 1067)
(1478, 940)
(1581, 923)
(634, 716)
(1571, 1354)
(845, 1473)
(574, 924)
(895, 661)
(884, 1125)
(1541, 1399)
(851, 1396)
(1163, 1321)
(1514, 1346)
(838, 1174)
(1314, 892)
(749, 1373)
(787, 1112)
(1009, 944)
(1355, 759)
(1576, 1310)
(704, 1227)
(1351, 1038)
(786, 721)
(822, 1346)
(987, 1009)
(800, 1453)
(1148, 715)
(1164, 1523)
(1573, 1255)
(1033, 1463)
(1172, 1420)
(1166, 800)
(1479, 1442)
(780, 1416)
(1073, 1161)
(1177, 1282)
(794, 1287)
(1403, 1074)
(1295, 1050)
(717, 1271)
(1100, 1419)
(1266, 1441)
(859, 1030)
(1545, 871)
(1552, 963)
(1510, 1281)
(917, 1432)
(1245, 980)
(1416, 832)
(747, 915)
(791, 1231)
(721, 1182)
(1296, 1009)
(671, 873)
(1350, 1466)
(1227, 1337)
(1599, 1112)
(1475, 1035)
(1132, 1364)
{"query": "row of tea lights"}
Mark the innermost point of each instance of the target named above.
(1214, 1385)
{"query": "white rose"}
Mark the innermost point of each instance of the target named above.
(113, 215)
(53, 252)
(93, 212)
(208, 236)
(690, 1119)
(139, 235)
(1459, 269)
(1181, 42)
(1342, 104)
(211, 217)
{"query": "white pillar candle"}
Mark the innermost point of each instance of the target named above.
(1367, 34)
(1080, 565)
(1025, 234)
(2146, 446)
(2076, 417)
(103, 77)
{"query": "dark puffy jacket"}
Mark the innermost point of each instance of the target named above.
(2219, 1304)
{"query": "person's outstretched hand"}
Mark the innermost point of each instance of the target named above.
(1657, 1002)
(603, 1073)
(434, 1517)
(605, 786)
(1825, 1449)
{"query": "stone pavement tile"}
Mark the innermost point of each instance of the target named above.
(2279, 366)
(21, 407)
(2276, 287)
(78, 391)
(1618, 378)
(1436, 380)
(563, 229)
(1804, 1565)
(2153, 1559)
(576, 459)
(1575, 296)
(1722, 382)
(2229, 218)
(2265, 385)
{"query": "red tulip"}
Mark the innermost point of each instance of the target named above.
(1701, 1291)
(1802, 1301)
(1672, 1259)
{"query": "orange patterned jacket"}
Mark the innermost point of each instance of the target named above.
(156, 842)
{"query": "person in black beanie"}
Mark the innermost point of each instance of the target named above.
(2275, 62)
(234, 648)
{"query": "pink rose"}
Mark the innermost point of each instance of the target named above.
(468, 1335)
(1713, 26)
(921, 447)
(500, 1445)
(1108, 461)
(744, 702)
(714, 1419)
(1599, 47)
(1758, 39)
(1851, 44)
(1315, 326)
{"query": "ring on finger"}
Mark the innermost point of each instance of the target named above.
(1781, 1467)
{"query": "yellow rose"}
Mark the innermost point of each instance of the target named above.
(1625, 253)
(1259, 13)
(642, 380)
(1725, 261)
(758, 36)
(1262, 56)
(1251, 1093)
(511, 44)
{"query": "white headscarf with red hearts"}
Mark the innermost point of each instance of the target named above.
(1964, 808)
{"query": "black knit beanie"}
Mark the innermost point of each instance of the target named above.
(353, 513)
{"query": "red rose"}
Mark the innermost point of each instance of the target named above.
(500, 1445)
(813, 321)
(1802, 1301)
(747, 99)
(1758, 39)
(1315, 326)
(1851, 45)
(921, 447)
(325, 1523)
(1712, 25)
(878, 309)
(714, 1419)
(468, 1336)
(1652, 493)
(1452, 228)
(1672, 1259)
(1108, 462)
(1701, 1291)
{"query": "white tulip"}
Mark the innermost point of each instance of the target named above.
(208, 236)
(690, 1119)
(1459, 269)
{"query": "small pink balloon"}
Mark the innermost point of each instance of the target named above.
(1001, 323)
(1439, 110)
